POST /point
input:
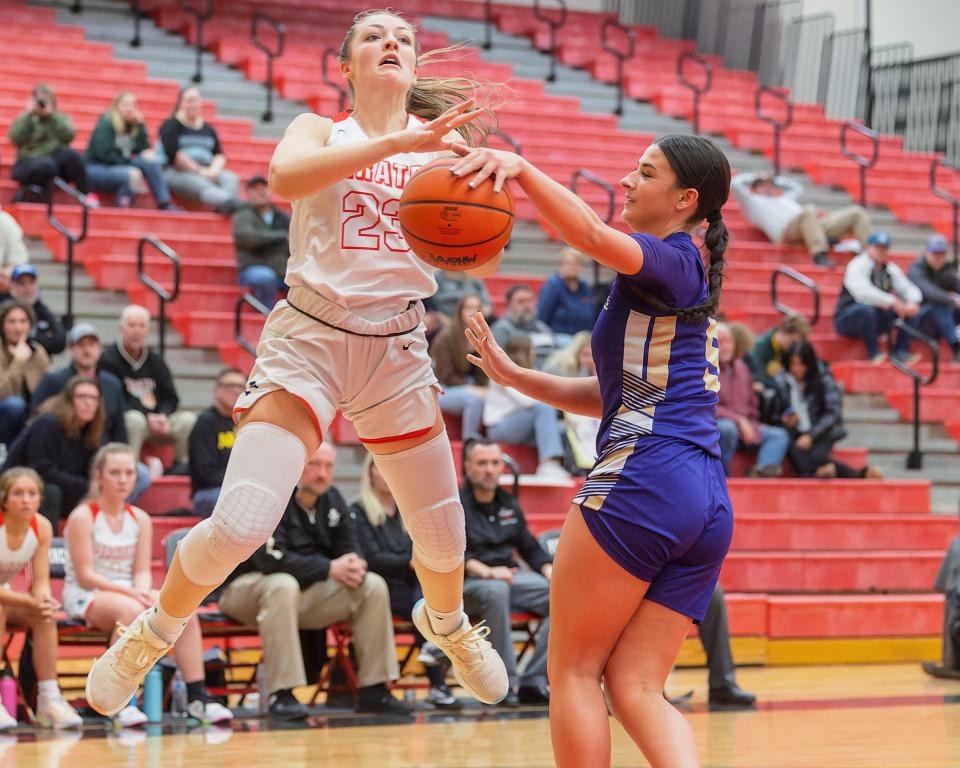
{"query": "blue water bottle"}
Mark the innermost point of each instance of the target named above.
(153, 695)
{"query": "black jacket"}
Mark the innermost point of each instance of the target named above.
(147, 385)
(111, 390)
(257, 242)
(495, 531)
(48, 331)
(210, 444)
(936, 285)
(386, 548)
(824, 405)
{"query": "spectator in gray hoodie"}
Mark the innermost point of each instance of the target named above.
(935, 274)
(520, 318)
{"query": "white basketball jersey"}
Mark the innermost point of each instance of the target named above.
(346, 243)
(113, 553)
(13, 561)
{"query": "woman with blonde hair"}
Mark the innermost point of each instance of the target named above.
(119, 158)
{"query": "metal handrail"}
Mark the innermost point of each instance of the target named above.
(135, 9)
(863, 162)
(162, 293)
(756, 33)
(777, 125)
(915, 457)
(280, 30)
(583, 173)
(72, 237)
(802, 279)
(507, 138)
(621, 56)
(554, 25)
(328, 80)
(202, 17)
(247, 299)
(487, 25)
(697, 90)
(950, 198)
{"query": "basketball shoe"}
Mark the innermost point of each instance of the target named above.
(476, 665)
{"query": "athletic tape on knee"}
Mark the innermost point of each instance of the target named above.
(265, 464)
(431, 511)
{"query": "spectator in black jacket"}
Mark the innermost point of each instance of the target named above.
(307, 576)
(388, 550)
(47, 330)
(261, 238)
(494, 584)
(150, 398)
(212, 440)
(935, 274)
(60, 444)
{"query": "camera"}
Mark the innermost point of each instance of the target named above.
(42, 103)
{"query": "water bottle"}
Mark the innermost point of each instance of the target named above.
(178, 696)
(8, 692)
(263, 690)
(153, 695)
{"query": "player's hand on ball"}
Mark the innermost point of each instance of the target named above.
(431, 136)
(486, 162)
(490, 357)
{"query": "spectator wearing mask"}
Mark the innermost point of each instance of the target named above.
(738, 414)
(13, 251)
(42, 136)
(150, 397)
(935, 274)
(453, 287)
(520, 317)
(495, 585)
(464, 385)
(875, 293)
(566, 303)
(119, 158)
(196, 167)
(309, 575)
(772, 204)
(261, 239)
(212, 440)
(23, 363)
(766, 358)
(388, 550)
(47, 330)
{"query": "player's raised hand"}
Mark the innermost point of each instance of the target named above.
(490, 357)
(486, 162)
(432, 136)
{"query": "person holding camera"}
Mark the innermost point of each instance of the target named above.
(42, 136)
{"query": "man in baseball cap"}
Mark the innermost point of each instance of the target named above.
(261, 239)
(47, 331)
(935, 274)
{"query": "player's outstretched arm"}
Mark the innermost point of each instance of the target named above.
(572, 394)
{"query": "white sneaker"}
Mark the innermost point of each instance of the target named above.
(849, 245)
(116, 675)
(57, 713)
(476, 665)
(209, 712)
(429, 655)
(129, 717)
(552, 470)
(7, 721)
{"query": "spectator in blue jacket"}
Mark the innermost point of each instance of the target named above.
(566, 302)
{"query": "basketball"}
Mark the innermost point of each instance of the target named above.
(450, 226)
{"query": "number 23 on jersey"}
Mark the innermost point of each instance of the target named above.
(369, 224)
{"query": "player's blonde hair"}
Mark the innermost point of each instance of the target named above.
(430, 97)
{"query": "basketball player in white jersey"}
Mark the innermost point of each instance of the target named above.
(349, 337)
(25, 539)
(109, 580)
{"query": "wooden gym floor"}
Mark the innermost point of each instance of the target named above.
(888, 716)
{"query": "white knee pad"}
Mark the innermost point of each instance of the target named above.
(431, 511)
(265, 464)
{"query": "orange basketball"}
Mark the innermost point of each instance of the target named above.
(450, 226)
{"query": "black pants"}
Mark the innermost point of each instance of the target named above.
(714, 633)
(40, 171)
(806, 463)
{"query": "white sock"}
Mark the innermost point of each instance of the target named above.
(445, 622)
(168, 628)
(48, 690)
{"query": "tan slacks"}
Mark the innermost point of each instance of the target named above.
(181, 425)
(277, 606)
(811, 230)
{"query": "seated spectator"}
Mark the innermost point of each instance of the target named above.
(26, 537)
(566, 303)
(766, 357)
(47, 330)
(119, 159)
(453, 287)
(738, 414)
(23, 363)
(714, 633)
(875, 293)
(261, 239)
(150, 397)
(308, 576)
(947, 582)
(212, 440)
(464, 385)
(576, 359)
(195, 164)
(13, 250)
(935, 274)
(388, 550)
(109, 579)
(811, 407)
(512, 417)
(494, 585)
(772, 204)
(519, 317)
(42, 136)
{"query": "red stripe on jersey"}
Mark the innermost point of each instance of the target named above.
(342, 116)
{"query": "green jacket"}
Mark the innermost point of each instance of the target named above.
(37, 137)
(256, 242)
(766, 358)
(105, 149)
